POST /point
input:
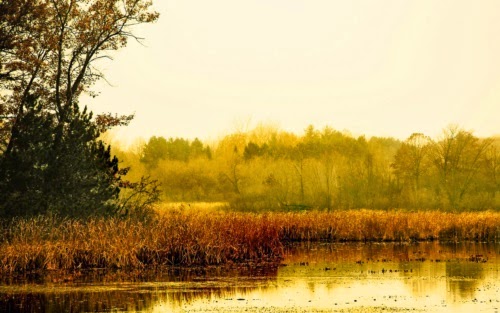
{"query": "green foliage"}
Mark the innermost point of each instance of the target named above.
(328, 169)
(253, 150)
(159, 148)
(58, 168)
(51, 160)
(23, 170)
(183, 181)
(154, 151)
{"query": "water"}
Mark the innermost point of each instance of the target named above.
(425, 277)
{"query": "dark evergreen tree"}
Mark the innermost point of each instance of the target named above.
(58, 167)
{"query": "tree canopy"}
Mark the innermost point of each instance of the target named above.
(329, 169)
(49, 55)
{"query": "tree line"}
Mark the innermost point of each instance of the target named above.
(269, 169)
(53, 158)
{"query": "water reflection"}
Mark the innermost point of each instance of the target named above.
(316, 277)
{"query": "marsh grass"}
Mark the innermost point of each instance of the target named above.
(189, 236)
(174, 238)
(395, 226)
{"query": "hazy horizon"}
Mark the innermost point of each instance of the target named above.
(207, 68)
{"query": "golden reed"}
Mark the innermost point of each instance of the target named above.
(190, 237)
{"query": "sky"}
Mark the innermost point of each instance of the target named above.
(370, 67)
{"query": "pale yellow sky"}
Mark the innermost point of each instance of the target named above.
(374, 67)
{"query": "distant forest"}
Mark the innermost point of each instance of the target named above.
(270, 169)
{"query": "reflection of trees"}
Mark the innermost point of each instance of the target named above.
(162, 275)
(432, 283)
(387, 252)
(311, 286)
(464, 278)
(116, 291)
(138, 299)
(446, 267)
(75, 302)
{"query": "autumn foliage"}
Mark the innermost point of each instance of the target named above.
(268, 169)
(51, 157)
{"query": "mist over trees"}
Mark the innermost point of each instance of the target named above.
(52, 159)
(269, 169)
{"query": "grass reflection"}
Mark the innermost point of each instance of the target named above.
(314, 277)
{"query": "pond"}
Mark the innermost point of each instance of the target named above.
(319, 277)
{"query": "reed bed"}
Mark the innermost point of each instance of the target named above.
(191, 237)
(396, 226)
(176, 238)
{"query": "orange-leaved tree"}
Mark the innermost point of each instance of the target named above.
(49, 55)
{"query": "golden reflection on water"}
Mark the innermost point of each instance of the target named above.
(428, 277)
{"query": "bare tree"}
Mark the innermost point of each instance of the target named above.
(457, 157)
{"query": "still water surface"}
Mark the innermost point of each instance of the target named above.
(424, 277)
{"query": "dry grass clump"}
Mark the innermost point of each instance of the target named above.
(371, 225)
(187, 236)
(176, 238)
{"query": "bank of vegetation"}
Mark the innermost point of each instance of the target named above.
(69, 201)
(198, 237)
(269, 169)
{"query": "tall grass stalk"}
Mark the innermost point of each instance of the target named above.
(189, 237)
